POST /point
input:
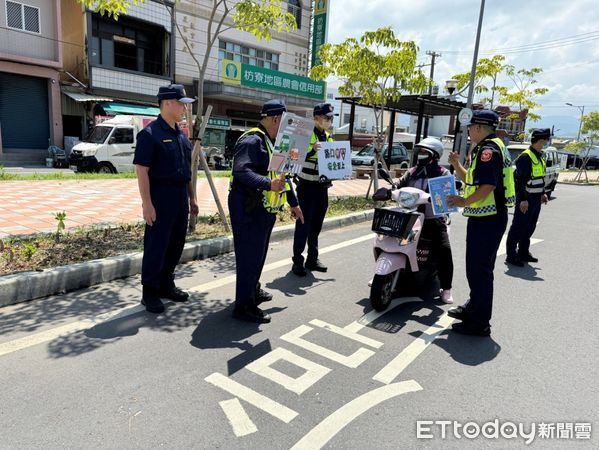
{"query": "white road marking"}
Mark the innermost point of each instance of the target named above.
(346, 333)
(313, 371)
(392, 370)
(84, 324)
(240, 422)
(333, 424)
(373, 315)
(260, 401)
(354, 360)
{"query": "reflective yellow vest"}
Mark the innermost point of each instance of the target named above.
(272, 201)
(536, 184)
(310, 170)
(487, 206)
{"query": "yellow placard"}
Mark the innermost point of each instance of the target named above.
(231, 71)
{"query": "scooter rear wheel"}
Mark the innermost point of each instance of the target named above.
(380, 291)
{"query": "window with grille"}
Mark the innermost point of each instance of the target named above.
(294, 7)
(247, 55)
(22, 17)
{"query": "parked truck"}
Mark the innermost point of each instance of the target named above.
(110, 146)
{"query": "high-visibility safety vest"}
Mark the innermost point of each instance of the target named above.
(536, 184)
(310, 170)
(272, 201)
(487, 206)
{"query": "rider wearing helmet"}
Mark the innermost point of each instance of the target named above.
(428, 152)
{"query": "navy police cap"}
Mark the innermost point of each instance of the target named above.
(174, 92)
(324, 109)
(541, 133)
(484, 117)
(273, 107)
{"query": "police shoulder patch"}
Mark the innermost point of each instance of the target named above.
(486, 155)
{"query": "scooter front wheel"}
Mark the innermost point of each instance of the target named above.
(380, 291)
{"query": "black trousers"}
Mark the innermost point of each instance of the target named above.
(436, 231)
(523, 227)
(482, 242)
(313, 199)
(251, 236)
(165, 239)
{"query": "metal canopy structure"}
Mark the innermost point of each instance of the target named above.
(424, 106)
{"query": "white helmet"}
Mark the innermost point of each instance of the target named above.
(432, 144)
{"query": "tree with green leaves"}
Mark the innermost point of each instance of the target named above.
(486, 68)
(590, 128)
(261, 19)
(376, 68)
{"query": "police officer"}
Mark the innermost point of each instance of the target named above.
(530, 193)
(256, 195)
(313, 197)
(163, 166)
(489, 190)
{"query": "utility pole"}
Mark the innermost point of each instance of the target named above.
(433, 56)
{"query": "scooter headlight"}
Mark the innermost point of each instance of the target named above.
(407, 199)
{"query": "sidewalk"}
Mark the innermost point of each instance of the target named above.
(28, 207)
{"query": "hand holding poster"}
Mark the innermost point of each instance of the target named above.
(334, 160)
(440, 188)
(291, 145)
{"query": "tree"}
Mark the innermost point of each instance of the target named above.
(259, 19)
(522, 96)
(590, 127)
(376, 69)
(485, 68)
(112, 8)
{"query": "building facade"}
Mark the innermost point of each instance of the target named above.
(30, 63)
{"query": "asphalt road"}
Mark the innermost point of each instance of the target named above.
(91, 369)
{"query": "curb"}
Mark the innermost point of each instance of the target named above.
(25, 286)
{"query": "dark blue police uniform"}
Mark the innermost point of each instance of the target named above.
(484, 236)
(252, 224)
(167, 152)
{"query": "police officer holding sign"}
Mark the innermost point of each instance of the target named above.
(163, 166)
(530, 193)
(256, 195)
(313, 196)
(489, 190)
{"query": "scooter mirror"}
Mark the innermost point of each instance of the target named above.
(384, 174)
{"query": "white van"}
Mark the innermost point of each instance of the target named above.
(110, 146)
(553, 164)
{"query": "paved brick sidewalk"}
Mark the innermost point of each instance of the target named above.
(28, 207)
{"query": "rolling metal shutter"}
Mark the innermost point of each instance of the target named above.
(24, 115)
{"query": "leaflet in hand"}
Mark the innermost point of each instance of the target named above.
(439, 188)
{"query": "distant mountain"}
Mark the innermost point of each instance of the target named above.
(565, 126)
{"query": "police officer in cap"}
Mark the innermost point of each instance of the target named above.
(489, 190)
(313, 196)
(163, 166)
(256, 195)
(530, 193)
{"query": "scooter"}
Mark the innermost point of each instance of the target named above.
(397, 240)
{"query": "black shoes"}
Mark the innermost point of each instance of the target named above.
(529, 258)
(153, 304)
(262, 296)
(514, 261)
(316, 266)
(175, 294)
(471, 330)
(457, 313)
(251, 314)
(299, 270)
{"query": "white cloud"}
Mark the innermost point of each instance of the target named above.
(450, 27)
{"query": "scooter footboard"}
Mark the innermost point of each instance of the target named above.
(388, 263)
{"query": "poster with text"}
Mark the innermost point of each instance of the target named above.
(439, 188)
(291, 144)
(334, 160)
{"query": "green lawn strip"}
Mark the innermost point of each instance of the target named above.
(9, 176)
(83, 244)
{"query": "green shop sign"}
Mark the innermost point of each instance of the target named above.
(271, 80)
(319, 31)
(219, 122)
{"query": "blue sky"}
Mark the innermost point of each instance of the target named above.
(562, 37)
